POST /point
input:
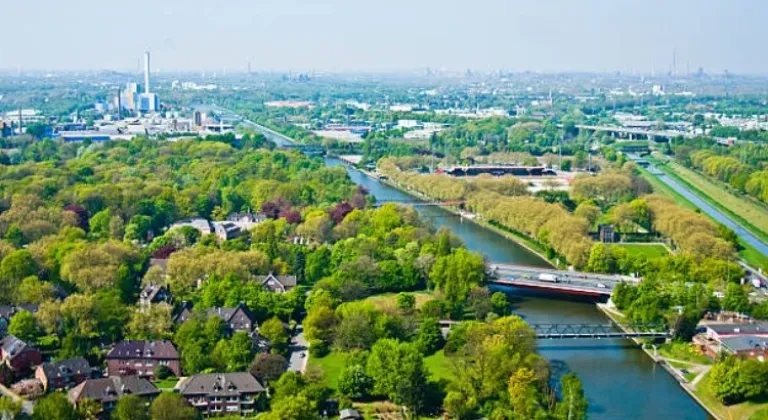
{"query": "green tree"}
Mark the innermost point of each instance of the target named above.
(274, 331)
(13, 269)
(354, 383)
(298, 408)
(170, 406)
(131, 407)
(319, 323)
(235, 354)
(397, 372)
(500, 303)
(406, 302)
(430, 338)
(573, 403)
(88, 409)
(54, 406)
(24, 326)
(736, 299)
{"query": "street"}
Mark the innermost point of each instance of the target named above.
(299, 349)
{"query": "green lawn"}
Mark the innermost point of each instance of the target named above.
(650, 250)
(747, 252)
(389, 300)
(167, 383)
(437, 366)
(742, 209)
(331, 365)
(684, 352)
(742, 411)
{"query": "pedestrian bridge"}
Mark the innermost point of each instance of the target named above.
(587, 331)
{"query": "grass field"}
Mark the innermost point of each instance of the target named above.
(742, 411)
(650, 250)
(437, 365)
(747, 252)
(684, 352)
(167, 383)
(389, 300)
(751, 215)
(331, 365)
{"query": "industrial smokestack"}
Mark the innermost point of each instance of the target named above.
(146, 72)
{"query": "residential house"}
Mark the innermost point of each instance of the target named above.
(239, 318)
(64, 373)
(226, 230)
(4, 322)
(222, 393)
(18, 355)
(107, 391)
(153, 293)
(277, 284)
(142, 357)
(203, 226)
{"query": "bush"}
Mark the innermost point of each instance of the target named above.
(318, 348)
(162, 372)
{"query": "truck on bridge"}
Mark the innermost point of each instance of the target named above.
(548, 277)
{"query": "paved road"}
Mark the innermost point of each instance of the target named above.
(299, 349)
(744, 234)
(575, 277)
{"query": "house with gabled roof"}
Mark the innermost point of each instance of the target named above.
(107, 391)
(277, 284)
(64, 373)
(142, 358)
(222, 393)
(18, 355)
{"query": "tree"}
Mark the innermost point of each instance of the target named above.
(406, 302)
(456, 273)
(235, 354)
(430, 337)
(163, 372)
(88, 409)
(459, 405)
(573, 402)
(267, 367)
(130, 407)
(736, 299)
(480, 302)
(13, 269)
(54, 406)
(397, 372)
(354, 332)
(354, 383)
(273, 330)
(319, 323)
(169, 406)
(24, 326)
(500, 303)
(298, 408)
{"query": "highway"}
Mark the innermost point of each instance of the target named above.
(669, 134)
(280, 140)
(573, 282)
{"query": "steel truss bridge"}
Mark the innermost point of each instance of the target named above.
(561, 331)
(417, 203)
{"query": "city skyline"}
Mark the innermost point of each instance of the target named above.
(343, 36)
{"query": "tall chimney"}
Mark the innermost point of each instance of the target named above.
(146, 72)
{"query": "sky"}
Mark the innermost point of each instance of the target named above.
(364, 35)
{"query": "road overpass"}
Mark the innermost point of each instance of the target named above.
(567, 282)
(639, 132)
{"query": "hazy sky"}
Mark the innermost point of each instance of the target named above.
(538, 35)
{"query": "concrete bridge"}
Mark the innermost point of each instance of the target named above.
(567, 282)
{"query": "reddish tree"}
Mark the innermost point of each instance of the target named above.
(164, 252)
(341, 211)
(358, 201)
(291, 216)
(82, 215)
(273, 208)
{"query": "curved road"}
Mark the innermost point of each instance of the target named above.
(744, 234)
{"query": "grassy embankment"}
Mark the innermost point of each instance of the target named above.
(747, 252)
(648, 250)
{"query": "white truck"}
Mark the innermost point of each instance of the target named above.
(548, 277)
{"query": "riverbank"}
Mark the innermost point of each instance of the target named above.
(524, 241)
(689, 387)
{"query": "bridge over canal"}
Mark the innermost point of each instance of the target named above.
(568, 282)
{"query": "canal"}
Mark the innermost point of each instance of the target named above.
(620, 381)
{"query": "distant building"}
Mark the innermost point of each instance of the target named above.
(277, 284)
(147, 102)
(721, 331)
(64, 373)
(142, 357)
(18, 355)
(226, 230)
(223, 393)
(606, 234)
(154, 293)
(203, 226)
(107, 391)
(197, 117)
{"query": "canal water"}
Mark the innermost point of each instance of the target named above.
(620, 381)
